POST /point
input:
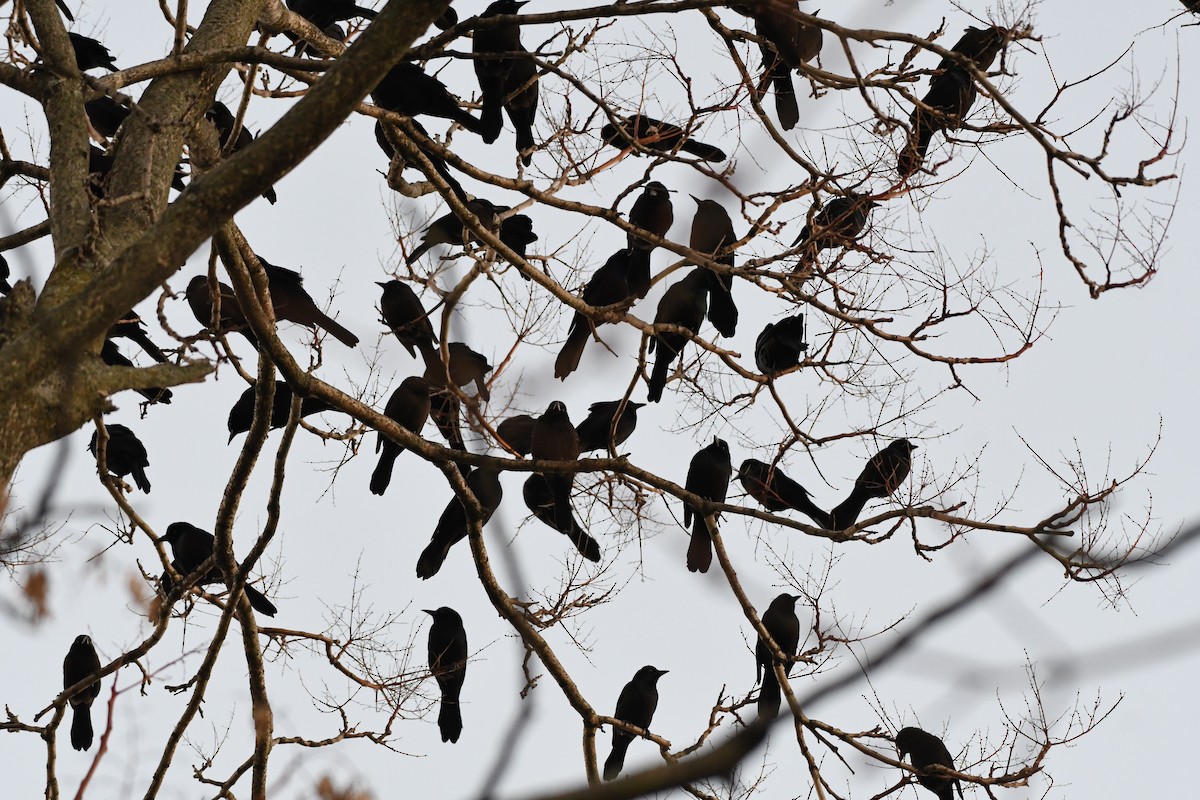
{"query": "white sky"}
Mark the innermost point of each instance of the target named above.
(1105, 382)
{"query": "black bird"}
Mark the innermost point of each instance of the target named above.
(785, 43)
(124, 454)
(712, 231)
(780, 346)
(980, 45)
(654, 134)
(684, 303)
(450, 229)
(81, 662)
(407, 318)
(636, 706)
(925, 750)
(409, 90)
(517, 232)
(111, 354)
(409, 408)
(132, 328)
(106, 115)
(324, 13)
(781, 622)
(594, 431)
(652, 212)
(242, 413)
(708, 477)
(539, 498)
(448, 664)
(447, 20)
(293, 303)
(232, 319)
(837, 224)
(191, 547)
(508, 83)
(776, 491)
(466, 366)
(451, 527)
(220, 116)
(90, 54)
(5, 286)
(517, 432)
(554, 439)
(949, 99)
(624, 278)
(880, 478)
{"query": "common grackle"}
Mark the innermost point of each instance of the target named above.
(409, 90)
(293, 303)
(81, 662)
(124, 454)
(448, 664)
(242, 413)
(539, 499)
(449, 229)
(708, 477)
(190, 548)
(925, 750)
(780, 621)
(451, 527)
(653, 213)
(780, 346)
(408, 407)
(111, 354)
(654, 134)
(517, 432)
(506, 82)
(594, 431)
(635, 705)
(837, 224)
(684, 303)
(712, 231)
(776, 491)
(232, 319)
(624, 278)
(220, 116)
(132, 328)
(554, 439)
(407, 318)
(90, 54)
(881, 477)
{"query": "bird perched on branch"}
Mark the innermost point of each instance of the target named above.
(951, 94)
(448, 665)
(635, 705)
(190, 548)
(294, 304)
(408, 407)
(712, 232)
(409, 90)
(926, 750)
(780, 346)
(242, 414)
(81, 663)
(90, 54)
(623, 279)
(594, 431)
(465, 366)
(653, 212)
(880, 478)
(132, 328)
(781, 622)
(708, 477)
(684, 304)
(324, 13)
(221, 117)
(517, 432)
(785, 42)
(776, 491)
(450, 228)
(406, 317)
(124, 454)
(507, 78)
(111, 354)
(554, 439)
(451, 527)
(654, 134)
(837, 224)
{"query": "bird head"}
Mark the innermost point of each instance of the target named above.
(175, 533)
(83, 640)
(557, 407)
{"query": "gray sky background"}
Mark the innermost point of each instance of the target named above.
(1109, 382)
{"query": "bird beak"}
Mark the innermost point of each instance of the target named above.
(430, 613)
(697, 199)
(381, 284)
(662, 672)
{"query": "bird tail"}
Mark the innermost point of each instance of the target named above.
(702, 150)
(564, 517)
(337, 331)
(81, 728)
(572, 350)
(700, 554)
(139, 477)
(492, 122)
(588, 547)
(722, 311)
(431, 560)
(382, 475)
(846, 514)
(259, 602)
(817, 515)
(523, 123)
(616, 759)
(768, 695)
(270, 196)
(421, 249)
(913, 155)
(658, 376)
(151, 349)
(786, 107)
(156, 395)
(450, 719)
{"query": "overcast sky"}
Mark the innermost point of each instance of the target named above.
(1108, 383)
